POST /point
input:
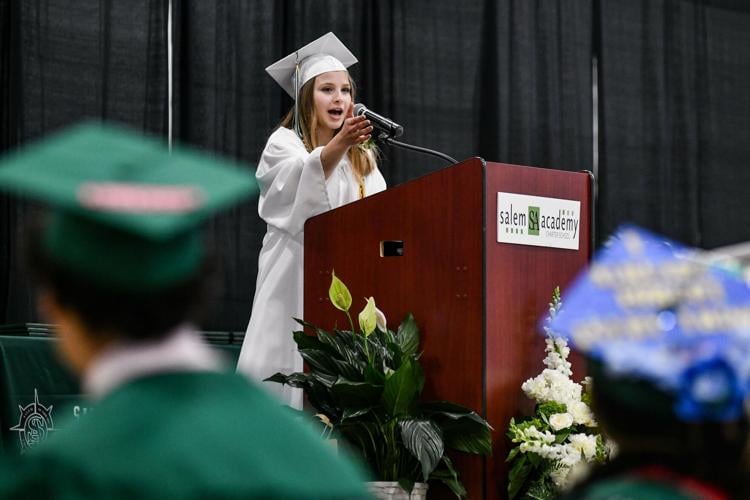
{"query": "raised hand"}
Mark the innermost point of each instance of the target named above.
(355, 130)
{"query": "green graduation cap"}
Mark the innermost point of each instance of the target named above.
(126, 212)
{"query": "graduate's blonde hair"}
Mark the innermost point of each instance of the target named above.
(363, 159)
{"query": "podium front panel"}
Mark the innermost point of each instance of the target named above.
(439, 278)
(475, 300)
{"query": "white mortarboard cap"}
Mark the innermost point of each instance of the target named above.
(325, 54)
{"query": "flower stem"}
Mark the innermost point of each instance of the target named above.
(364, 338)
(351, 323)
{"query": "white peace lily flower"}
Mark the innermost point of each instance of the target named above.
(380, 320)
(368, 317)
(560, 421)
(339, 294)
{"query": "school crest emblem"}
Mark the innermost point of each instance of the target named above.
(34, 423)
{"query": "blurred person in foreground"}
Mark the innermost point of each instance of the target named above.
(122, 273)
(667, 340)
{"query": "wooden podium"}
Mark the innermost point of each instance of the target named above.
(476, 301)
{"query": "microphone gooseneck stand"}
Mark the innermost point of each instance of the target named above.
(387, 139)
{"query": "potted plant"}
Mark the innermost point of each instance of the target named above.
(367, 383)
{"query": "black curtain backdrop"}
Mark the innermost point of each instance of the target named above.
(98, 59)
(223, 104)
(509, 80)
(675, 116)
(70, 61)
(9, 88)
(9, 84)
(535, 87)
(421, 68)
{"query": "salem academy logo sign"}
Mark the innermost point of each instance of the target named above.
(538, 221)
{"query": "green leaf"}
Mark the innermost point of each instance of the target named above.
(463, 429)
(374, 376)
(366, 437)
(451, 411)
(298, 379)
(563, 434)
(394, 357)
(517, 476)
(347, 370)
(305, 341)
(541, 488)
(367, 318)
(384, 350)
(350, 413)
(354, 395)
(602, 452)
(536, 460)
(402, 388)
(424, 440)
(388, 336)
(320, 398)
(317, 331)
(408, 336)
(550, 408)
(447, 474)
(513, 454)
(406, 484)
(343, 346)
(325, 379)
(319, 361)
(469, 438)
(339, 294)
(327, 341)
(384, 353)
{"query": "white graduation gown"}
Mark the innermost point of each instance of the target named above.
(293, 188)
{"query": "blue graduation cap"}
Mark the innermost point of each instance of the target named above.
(651, 309)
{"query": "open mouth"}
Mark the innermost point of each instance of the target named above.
(336, 113)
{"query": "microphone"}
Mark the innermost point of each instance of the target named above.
(387, 127)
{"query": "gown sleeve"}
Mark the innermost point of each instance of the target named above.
(292, 183)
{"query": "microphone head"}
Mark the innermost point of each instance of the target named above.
(359, 109)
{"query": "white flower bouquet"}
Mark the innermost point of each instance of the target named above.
(550, 447)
